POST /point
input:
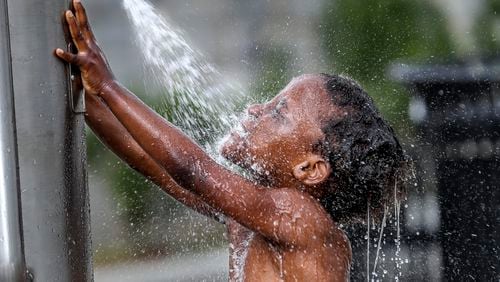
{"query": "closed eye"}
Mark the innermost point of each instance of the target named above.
(278, 110)
(276, 114)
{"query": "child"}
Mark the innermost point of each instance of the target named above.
(319, 151)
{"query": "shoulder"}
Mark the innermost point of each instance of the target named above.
(303, 217)
(286, 199)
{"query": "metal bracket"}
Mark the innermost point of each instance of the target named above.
(30, 277)
(76, 92)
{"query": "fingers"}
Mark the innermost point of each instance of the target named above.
(82, 19)
(76, 34)
(68, 57)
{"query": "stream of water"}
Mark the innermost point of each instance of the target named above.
(194, 95)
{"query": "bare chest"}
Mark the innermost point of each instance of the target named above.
(253, 258)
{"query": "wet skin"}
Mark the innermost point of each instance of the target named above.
(277, 228)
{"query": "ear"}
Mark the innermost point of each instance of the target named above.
(312, 171)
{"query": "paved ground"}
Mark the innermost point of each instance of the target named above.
(200, 267)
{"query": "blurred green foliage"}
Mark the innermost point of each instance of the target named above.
(362, 38)
(273, 72)
(487, 29)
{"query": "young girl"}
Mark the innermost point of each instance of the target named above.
(319, 152)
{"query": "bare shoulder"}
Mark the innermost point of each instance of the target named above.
(303, 218)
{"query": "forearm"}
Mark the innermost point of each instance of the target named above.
(112, 133)
(165, 143)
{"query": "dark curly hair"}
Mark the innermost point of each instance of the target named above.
(369, 167)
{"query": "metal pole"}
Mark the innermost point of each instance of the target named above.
(12, 263)
(51, 142)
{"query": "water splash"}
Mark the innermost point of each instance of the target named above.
(390, 220)
(239, 256)
(368, 240)
(397, 255)
(379, 244)
(196, 99)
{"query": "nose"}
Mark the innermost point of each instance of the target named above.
(255, 110)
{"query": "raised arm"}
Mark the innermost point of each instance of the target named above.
(112, 133)
(284, 216)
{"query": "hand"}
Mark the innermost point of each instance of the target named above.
(95, 71)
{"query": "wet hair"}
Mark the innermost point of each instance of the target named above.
(369, 167)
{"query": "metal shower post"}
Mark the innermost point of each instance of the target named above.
(12, 263)
(55, 232)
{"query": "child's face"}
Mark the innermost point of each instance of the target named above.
(278, 135)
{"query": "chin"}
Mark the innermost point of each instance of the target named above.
(233, 144)
(234, 153)
(228, 149)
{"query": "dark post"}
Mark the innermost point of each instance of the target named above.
(456, 109)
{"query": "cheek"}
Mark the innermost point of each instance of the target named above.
(273, 144)
(274, 152)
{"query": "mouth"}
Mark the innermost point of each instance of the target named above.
(245, 125)
(243, 128)
(239, 131)
(235, 142)
(234, 139)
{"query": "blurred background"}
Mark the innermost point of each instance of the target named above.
(431, 67)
